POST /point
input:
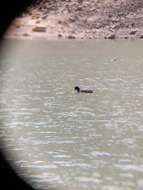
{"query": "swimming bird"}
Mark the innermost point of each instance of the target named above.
(78, 90)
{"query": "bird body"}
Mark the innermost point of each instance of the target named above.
(78, 90)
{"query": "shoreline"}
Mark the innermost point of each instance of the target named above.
(23, 34)
(67, 40)
(50, 33)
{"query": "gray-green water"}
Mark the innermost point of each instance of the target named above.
(64, 140)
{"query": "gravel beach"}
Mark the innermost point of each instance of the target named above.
(80, 19)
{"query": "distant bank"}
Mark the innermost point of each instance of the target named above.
(81, 19)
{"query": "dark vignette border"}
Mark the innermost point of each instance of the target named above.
(9, 10)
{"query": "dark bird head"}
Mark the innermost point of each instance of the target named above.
(76, 88)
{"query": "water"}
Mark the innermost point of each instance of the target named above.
(62, 140)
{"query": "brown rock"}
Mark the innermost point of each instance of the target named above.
(60, 22)
(25, 34)
(38, 21)
(60, 35)
(39, 29)
(71, 37)
(72, 20)
(17, 24)
(133, 32)
(141, 36)
(44, 17)
(111, 37)
(79, 8)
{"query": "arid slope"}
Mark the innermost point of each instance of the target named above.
(81, 19)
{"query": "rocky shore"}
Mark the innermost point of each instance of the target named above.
(80, 19)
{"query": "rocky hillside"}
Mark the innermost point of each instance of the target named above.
(82, 19)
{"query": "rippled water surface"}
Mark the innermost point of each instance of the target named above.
(64, 140)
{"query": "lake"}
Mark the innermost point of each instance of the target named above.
(62, 140)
